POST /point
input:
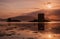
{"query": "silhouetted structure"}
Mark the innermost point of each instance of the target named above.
(15, 21)
(41, 19)
(35, 20)
(41, 27)
(10, 20)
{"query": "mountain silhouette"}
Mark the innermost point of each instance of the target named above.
(29, 17)
(33, 16)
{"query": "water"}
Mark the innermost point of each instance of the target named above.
(29, 30)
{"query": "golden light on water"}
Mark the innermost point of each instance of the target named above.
(50, 36)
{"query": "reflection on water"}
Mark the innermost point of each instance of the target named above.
(35, 30)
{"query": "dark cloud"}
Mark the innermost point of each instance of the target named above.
(54, 15)
(56, 12)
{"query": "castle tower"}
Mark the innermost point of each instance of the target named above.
(41, 26)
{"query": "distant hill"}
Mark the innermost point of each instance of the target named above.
(33, 16)
(28, 17)
(23, 18)
(2, 19)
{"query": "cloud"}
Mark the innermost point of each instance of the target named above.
(8, 0)
(18, 6)
(56, 12)
(54, 15)
(15, 0)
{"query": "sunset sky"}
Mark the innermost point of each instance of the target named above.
(9, 8)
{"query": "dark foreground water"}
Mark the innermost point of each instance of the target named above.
(29, 30)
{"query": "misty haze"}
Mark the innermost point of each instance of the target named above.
(29, 19)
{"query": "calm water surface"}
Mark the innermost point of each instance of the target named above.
(29, 30)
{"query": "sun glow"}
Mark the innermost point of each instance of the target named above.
(49, 6)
